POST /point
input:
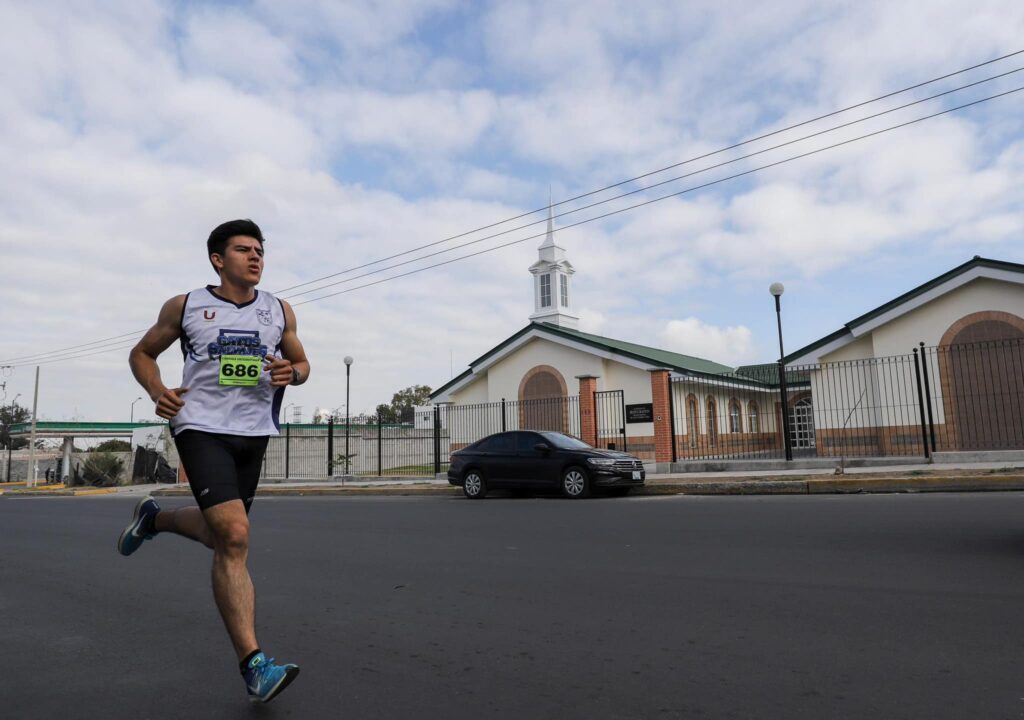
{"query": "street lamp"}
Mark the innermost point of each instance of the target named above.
(131, 418)
(285, 411)
(776, 289)
(348, 374)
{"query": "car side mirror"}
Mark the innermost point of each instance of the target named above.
(542, 447)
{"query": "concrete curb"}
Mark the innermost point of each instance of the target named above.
(58, 492)
(725, 486)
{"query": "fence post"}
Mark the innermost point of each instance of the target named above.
(920, 404)
(787, 442)
(928, 396)
(671, 416)
(330, 447)
(503, 425)
(287, 449)
(437, 439)
(380, 442)
(625, 441)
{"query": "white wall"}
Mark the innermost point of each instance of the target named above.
(929, 322)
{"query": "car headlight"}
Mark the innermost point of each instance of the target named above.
(601, 462)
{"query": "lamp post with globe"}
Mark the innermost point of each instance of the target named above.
(348, 374)
(776, 289)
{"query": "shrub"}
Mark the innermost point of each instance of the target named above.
(101, 469)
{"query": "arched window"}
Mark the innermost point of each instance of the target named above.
(735, 416)
(753, 417)
(712, 422)
(691, 420)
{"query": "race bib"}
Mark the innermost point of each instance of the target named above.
(240, 370)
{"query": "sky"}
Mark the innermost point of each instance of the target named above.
(355, 131)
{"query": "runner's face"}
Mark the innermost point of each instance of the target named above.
(243, 260)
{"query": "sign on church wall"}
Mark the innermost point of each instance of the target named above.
(640, 413)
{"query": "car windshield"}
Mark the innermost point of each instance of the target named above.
(564, 441)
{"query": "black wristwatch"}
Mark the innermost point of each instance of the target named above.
(295, 376)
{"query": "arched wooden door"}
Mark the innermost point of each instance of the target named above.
(984, 367)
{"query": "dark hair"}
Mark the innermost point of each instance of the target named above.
(218, 240)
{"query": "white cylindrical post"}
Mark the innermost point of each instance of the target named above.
(30, 479)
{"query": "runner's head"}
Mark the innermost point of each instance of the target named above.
(235, 248)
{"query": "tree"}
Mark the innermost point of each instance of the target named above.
(10, 415)
(114, 445)
(402, 403)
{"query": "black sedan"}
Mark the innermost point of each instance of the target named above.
(537, 460)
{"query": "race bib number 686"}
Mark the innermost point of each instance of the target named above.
(240, 370)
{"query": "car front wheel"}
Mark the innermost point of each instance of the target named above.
(575, 483)
(473, 485)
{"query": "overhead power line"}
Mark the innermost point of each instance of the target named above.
(646, 188)
(631, 207)
(670, 195)
(661, 170)
(66, 353)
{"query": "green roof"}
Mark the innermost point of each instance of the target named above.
(676, 361)
(976, 261)
(664, 358)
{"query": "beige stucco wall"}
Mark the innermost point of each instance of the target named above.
(475, 392)
(885, 388)
(859, 349)
(504, 377)
(928, 322)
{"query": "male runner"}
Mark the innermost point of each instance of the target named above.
(240, 349)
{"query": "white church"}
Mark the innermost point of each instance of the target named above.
(666, 406)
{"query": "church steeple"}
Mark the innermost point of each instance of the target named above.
(552, 282)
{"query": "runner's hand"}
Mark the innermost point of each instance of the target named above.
(280, 370)
(169, 402)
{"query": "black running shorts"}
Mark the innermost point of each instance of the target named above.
(221, 467)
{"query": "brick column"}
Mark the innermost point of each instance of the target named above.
(588, 413)
(662, 417)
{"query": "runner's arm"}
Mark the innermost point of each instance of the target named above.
(292, 352)
(142, 358)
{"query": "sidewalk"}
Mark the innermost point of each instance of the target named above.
(965, 477)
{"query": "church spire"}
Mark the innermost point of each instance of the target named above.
(552, 280)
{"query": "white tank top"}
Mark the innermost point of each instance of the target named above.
(212, 327)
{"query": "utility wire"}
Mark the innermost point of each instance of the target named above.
(646, 188)
(22, 359)
(637, 205)
(660, 170)
(671, 195)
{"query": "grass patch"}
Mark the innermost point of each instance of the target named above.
(414, 470)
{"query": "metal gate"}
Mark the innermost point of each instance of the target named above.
(610, 416)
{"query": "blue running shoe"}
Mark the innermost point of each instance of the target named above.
(264, 680)
(140, 528)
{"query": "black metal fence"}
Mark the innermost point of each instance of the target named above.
(420, 448)
(468, 423)
(975, 395)
(610, 421)
(934, 399)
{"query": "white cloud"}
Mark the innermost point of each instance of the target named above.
(353, 131)
(730, 345)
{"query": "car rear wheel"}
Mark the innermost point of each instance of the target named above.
(473, 485)
(575, 483)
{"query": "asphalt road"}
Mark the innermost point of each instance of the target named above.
(873, 606)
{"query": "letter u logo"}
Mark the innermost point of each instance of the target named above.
(209, 315)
